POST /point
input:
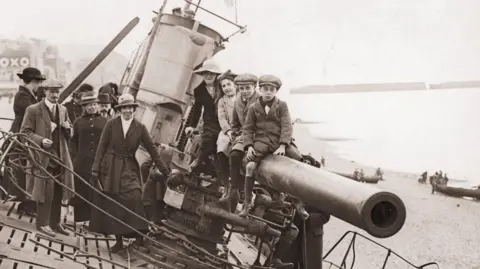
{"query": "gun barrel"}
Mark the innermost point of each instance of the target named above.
(380, 213)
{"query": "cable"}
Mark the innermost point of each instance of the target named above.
(31, 151)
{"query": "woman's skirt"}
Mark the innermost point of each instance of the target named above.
(81, 209)
(130, 196)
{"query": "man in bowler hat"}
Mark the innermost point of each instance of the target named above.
(105, 106)
(26, 96)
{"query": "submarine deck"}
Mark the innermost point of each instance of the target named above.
(21, 247)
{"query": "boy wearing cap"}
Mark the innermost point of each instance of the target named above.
(245, 84)
(47, 124)
(87, 130)
(267, 129)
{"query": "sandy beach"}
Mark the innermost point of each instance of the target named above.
(437, 229)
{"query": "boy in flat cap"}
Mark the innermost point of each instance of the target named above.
(246, 84)
(267, 129)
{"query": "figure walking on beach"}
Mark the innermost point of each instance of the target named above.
(48, 125)
(83, 146)
(117, 171)
(25, 97)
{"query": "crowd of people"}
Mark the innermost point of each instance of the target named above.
(97, 135)
(437, 178)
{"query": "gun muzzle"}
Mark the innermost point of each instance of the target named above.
(380, 213)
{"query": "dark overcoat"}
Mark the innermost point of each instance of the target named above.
(74, 110)
(37, 126)
(23, 99)
(114, 150)
(270, 129)
(87, 130)
(239, 115)
(210, 118)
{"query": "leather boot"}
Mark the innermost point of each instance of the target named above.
(280, 249)
(248, 202)
(231, 199)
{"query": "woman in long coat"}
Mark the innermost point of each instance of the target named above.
(83, 146)
(118, 173)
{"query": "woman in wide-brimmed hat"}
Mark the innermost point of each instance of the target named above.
(118, 172)
(205, 96)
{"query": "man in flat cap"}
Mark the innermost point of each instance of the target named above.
(73, 106)
(25, 97)
(47, 124)
(246, 84)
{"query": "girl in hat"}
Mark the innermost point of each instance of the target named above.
(225, 106)
(205, 95)
(117, 172)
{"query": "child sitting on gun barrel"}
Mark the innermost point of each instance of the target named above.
(267, 130)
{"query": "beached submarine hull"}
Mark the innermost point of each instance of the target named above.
(380, 213)
(371, 180)
(458, 192)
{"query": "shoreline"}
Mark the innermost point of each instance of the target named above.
(318, 148)
(438, 228)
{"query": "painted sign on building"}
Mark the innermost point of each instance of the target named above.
(14, 57)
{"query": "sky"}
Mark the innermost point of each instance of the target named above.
(303, 42)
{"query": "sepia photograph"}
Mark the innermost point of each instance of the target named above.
(250, 134)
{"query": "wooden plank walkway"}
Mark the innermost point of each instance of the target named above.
(22, 247)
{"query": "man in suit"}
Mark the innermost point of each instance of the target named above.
(47, 124)
(26, 96)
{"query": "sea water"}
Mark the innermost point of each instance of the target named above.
(409, 131)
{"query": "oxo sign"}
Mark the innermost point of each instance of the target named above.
(14, 62)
